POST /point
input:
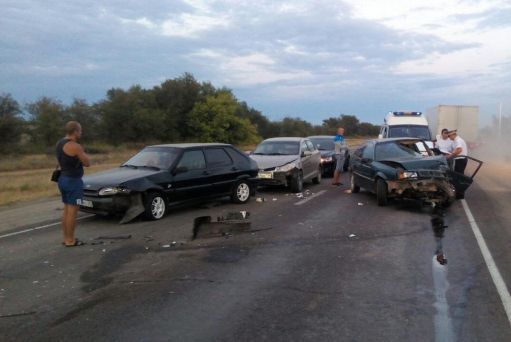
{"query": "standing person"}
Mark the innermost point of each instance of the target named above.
(71, 159)
(340, 149)
(459, 153)
(443, 143)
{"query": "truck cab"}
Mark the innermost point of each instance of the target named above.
(406, 125)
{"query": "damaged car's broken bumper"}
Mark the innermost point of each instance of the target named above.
(428, 189)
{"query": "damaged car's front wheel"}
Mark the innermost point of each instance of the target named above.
(382, 192)
(155, 206)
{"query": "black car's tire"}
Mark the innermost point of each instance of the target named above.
(354, 187)
(317, 179)
(381, 192)
(297, 182)
(346, 165)
(155, 205)
(241, 192)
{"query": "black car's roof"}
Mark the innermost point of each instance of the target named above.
(393, 139)
(190, 145)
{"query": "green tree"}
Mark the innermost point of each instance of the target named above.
(11, 124)
(295, 127)
(215, 120)
(87, 115)
(47, 122)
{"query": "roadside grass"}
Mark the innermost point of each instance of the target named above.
(27, 177)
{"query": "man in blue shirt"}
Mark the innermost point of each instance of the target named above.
(340, 150)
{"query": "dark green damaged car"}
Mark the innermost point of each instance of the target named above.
(405, 168)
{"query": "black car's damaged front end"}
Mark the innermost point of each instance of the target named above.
(432, 186)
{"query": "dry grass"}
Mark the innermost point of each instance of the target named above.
(32, 180)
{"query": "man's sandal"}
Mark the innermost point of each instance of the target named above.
(76, 244)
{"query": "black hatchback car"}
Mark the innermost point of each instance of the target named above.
(161, 175)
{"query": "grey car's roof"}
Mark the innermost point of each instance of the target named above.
(188, 145)
(285, 139)
(321, 137)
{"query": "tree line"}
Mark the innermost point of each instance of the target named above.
(178, 110)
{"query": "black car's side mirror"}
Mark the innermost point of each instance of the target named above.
(179, 169)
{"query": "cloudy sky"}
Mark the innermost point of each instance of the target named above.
(312, 59)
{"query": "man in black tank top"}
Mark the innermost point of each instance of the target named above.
(71, 159)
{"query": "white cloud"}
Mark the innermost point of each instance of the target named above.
(452, 21)
(144, 22)
(190, 25)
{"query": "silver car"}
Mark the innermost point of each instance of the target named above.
(287, 162)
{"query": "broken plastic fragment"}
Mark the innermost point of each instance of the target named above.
(165, 246)
(348, 191)
(352, 235)
(360, 203)
(274, 199)
(259, 199)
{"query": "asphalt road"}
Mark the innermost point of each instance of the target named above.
(332, 266)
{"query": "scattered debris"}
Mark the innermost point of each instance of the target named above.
(274, 199)
(165, 246)
(35, 282)
(120, 237)
(103, 250)
(299, 195)
(231, 222)
(360, 203)
(260, 199)
(348, 191)
(352, 235)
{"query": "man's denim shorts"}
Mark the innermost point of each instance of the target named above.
(339, 162)
(71, 189)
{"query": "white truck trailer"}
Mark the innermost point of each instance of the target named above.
(463, 118)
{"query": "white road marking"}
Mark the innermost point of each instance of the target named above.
(305, 200)
(41, 227)
(490, 263)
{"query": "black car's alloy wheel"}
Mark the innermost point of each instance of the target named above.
(381, 192)
(155, 206)
(354, 187)
(241, 192)
(297, 182)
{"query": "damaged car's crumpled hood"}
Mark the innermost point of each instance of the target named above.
(425, 163)
(115, 177)
(265, 161)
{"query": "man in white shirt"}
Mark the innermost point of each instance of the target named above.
(443, 143)
(459, 153)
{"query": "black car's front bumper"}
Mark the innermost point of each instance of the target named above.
(428, 189)
(104, 205)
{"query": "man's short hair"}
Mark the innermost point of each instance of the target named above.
(73, 126)
(445, 130)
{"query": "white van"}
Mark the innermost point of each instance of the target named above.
(406, 124)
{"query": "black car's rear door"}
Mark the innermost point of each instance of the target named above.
(191, 177)
(366, 168)
(222, 170)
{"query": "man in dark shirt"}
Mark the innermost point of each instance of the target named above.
(71, 158)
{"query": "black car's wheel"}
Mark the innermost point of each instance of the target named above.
(155, 206)
(381, 192)
(241, 192)
(354, 187)
(346, 165)
(317, 179)
(297, 182)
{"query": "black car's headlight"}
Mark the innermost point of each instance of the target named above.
(401, 174)
(326, 159)
(109, 191)
(285, 168)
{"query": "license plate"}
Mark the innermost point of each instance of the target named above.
(86, 203)
(265, 175)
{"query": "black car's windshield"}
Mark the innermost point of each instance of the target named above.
(324, 144)
(278, 148)
(409, 131)
(153, 158)
(395, 149)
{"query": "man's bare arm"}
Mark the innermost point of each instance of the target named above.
(80, 153)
